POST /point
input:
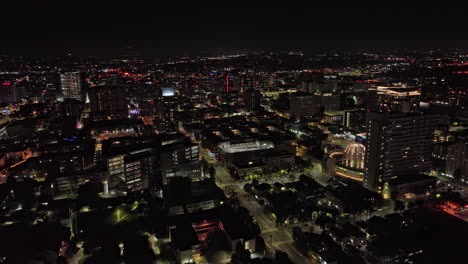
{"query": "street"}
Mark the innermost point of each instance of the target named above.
(275, 238)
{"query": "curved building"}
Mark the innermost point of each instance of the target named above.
(353, 156)
(351, 165)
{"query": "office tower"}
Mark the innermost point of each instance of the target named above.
(69, 107)
(216, 86)
(252, 100)
(247, 81)
(397, 144)
(304, 105)
(166, 110)
(399, 98)
(319, 87)
(72, 85)
(140, 98)
(108, 102)
(231, 83)
(180, 160)
(134, 169)
(197, 90)
(310, 81)
(332, 102)
(457, 161)
(228, 82)
(10, 93)
(236, 84)
(355, 119)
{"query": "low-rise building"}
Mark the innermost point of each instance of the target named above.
(410, 187)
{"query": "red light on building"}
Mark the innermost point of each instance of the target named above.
(7, 83)
(227, 83)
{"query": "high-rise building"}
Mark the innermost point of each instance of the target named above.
(397, 144)
(10, 93)
(72, 85)
(228, 82)
(304, 105)
(167, 107)
(252, 99)
(310, 81)
(134, 169)
(398, 98)
(180, 160)
(197, 90)
(319, 87)
(355, 119)
(457, 161)
(69, 107)
(108, 102)
(236, 84)
(332, 102)
(247, 81)
(140, 98)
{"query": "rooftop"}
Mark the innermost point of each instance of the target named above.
(408, 179)
(229, 147)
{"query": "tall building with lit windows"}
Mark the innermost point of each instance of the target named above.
(457, 161)
(394, 98)
(108, 102)
(180, 160)
(167, 108)
(134, 169)
(397, 144)
(72, 85)
(304, 105)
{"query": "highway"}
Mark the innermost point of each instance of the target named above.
(275, 238)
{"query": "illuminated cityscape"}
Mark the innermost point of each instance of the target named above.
(217, 134)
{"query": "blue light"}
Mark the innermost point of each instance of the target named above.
(168, 92)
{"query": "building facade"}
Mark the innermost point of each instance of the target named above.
(72, 85)
(304, 105)
(252, 100)
(397, 144)
(10, 93)
(457, 161)
(108, 102)
(135, 169)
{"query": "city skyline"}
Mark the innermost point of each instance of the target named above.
(232, 133)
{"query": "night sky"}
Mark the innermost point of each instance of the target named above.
(85, 28)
